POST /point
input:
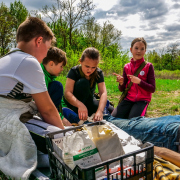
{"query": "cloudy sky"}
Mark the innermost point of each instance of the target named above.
(158, 21)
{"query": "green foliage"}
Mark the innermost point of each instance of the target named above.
(72, 59)
(169, 59)
(19, 12)
(113, 60)
(6, 29)
(167, 74)
(76, 30)
(10, 19)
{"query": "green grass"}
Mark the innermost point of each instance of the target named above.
(165, 100)
(166, 74)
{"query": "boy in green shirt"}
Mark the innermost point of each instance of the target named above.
(52, 65)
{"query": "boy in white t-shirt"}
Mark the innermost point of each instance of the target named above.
(21, 76)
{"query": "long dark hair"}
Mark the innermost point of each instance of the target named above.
(91, 53)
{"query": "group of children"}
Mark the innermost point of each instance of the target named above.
(78, 101)
(28, 73)
(34, 46)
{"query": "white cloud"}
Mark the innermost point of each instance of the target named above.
(153, 21)
(105, 4)
(158, 21)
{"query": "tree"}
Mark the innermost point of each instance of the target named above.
(75, 14)
(173, 51)
(19, 12)
(69, 13)
(109, 35)
(91, 30)
(153, 57)
(6, 29)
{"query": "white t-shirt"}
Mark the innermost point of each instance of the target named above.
(21, 68)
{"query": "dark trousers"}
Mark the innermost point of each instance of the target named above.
(128, 109)
(55, 90)
(82, 93)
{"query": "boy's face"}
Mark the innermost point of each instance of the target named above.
(56, 69)
(43, 49)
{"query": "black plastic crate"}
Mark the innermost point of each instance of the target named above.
(60, 171)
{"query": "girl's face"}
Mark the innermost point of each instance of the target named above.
(138, 50)
(89, 66)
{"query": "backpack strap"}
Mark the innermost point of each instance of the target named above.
(11, 52)
(123, 95)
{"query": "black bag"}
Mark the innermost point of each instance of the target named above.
(124, 93)
(97, 96)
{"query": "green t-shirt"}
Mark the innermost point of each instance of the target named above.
(48, 79)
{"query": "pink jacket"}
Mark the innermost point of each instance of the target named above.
(143, 91)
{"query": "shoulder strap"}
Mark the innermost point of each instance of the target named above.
(80, 71)
(140, 68)
(136, 74)
(123, 95)
(11, 52)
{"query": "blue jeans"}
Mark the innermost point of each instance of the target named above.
(162, 131)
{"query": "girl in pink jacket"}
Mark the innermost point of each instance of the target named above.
(139, 95)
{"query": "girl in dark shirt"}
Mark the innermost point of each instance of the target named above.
(80, 86)
(139, 95)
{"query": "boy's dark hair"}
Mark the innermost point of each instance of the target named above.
(56, 55)
(34, 27)
(91, 53)
(140, 39)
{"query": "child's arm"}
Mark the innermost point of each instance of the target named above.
(150, 85)
(102, 102)
(119, 79)
(47, 109)
(82, 110)
(66, 122)
(123, 86)
(168, 155)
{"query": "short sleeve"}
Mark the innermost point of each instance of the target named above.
(100, 76)
(31, 75)
(73, 74)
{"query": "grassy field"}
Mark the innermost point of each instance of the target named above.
(165, 101)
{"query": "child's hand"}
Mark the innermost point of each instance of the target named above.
(134, 79)
(98, 116)
(119, 79)
(66, 122)
(82, 112)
